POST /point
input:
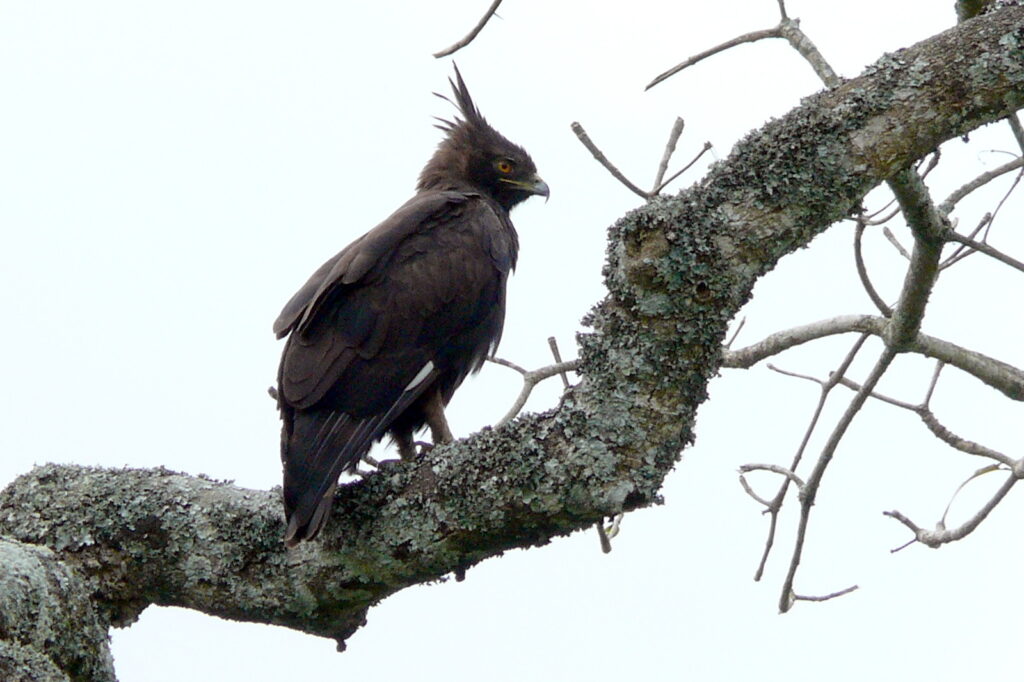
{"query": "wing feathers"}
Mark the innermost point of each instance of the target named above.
(411, 306)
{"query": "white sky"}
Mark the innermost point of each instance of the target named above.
(171, 172)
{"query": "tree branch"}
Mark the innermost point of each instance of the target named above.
(1001, 376)
(678, 270)
(472, 33)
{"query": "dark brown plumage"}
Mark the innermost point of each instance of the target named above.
(384, 332)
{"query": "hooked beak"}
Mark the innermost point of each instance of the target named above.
(532, 186)
(540, 187)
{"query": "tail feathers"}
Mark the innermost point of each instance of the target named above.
(322, 445)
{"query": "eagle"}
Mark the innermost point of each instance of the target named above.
(382, 334)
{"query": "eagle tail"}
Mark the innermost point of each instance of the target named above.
(322, 444)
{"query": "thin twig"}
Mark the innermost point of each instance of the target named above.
(775, 506)
(986, 249)
(824, 459)
(937, 538)
(957, 195)
(507, 363)
(732, 339)
(873, 219)
(956, 442)
(670, 147)
(553, 344)
(472, 34)
(703, 150)
(825, 597)
(862, 270)
(796, 375)
(775, 469)
(746, 38)
(603, 160)
(530, 380)
(895, 242)
(790, 30)
(934, 382)
(854, 386)
(980, 472)
(606, 544)
(936, 427)
(1002, 376)
(963, 250)
(750, 491)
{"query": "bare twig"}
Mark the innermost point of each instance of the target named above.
(824, 459)
(775, 469)
(774, 507)
(933, 161)
(750, 491)
(957, 195)
(740, 40)
(553, 344)
(986, 249)
(933, 383)
(853, 385)
(507, 363)
(472, 34)
(963, 251)
(790, 30)
(980, 472)
(894, 241)
(603, 160)
(826, 597)
(940, 536)
(936, 427)
(670, 147)
(962, 444)
(795, 375)
(606, 534)
(873, 219)
(862, 270)
(606, 544)
(732, 339)
(703, 150)
(530, 380)
(1001, 376)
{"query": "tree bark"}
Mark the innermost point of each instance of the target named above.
(678, 270)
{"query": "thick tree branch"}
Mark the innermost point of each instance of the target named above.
(678, 270)
(49, 623)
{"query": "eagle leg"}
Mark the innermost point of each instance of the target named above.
(434, 410)
(406, 446)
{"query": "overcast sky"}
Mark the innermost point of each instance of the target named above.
(170, 173)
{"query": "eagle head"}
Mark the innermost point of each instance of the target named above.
(474, 155)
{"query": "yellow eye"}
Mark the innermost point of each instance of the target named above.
(504, 166)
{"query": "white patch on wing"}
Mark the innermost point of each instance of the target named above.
(421, 375)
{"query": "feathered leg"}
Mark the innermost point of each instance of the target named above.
(434, 410)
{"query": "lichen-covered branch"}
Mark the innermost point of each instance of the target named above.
(679, 268)
(49, 627)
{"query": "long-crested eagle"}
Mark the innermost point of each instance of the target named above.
(384, 332)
